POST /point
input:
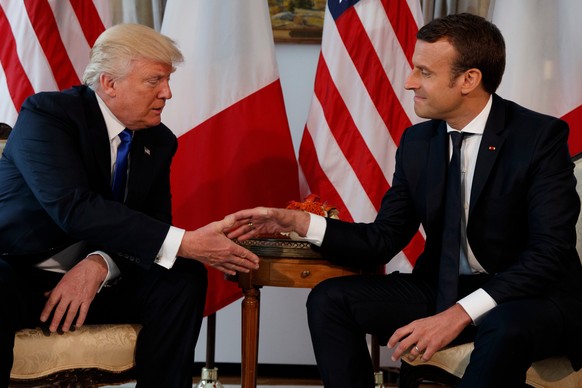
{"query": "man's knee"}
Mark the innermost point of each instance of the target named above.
(190, 273)
(325, 301)
(181, 288)
(322, 295)
(499, 332)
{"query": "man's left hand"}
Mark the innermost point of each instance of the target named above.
(424, 337)
(73, 295)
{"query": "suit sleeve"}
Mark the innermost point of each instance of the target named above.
(368, 245)
(48, 151)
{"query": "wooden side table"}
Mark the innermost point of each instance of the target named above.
(284, 263)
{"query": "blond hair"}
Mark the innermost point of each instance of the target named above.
(118, 46)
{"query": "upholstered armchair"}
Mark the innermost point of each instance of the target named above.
(91, 356)
(448, 365)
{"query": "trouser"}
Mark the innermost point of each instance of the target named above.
(168, 303)
(341, 311)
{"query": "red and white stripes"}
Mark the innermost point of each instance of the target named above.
(45, 46)
(360, 107)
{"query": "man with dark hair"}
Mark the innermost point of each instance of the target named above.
(492, 185)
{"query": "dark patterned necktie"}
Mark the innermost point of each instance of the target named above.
(120, 174)
(451, 241)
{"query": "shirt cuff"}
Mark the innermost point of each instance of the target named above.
(169, 250)
(113, 271)
(477, 304)
(316, 230)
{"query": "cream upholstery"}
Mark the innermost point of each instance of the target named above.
(550, 373)
(105, 347)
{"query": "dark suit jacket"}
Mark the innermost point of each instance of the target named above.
(523, 210)
(55, 182)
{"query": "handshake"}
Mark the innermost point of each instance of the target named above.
(212, 244)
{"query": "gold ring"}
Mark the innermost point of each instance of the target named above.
(417, 349)
(251, 225)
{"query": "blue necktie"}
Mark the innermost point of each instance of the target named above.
(451, 241)
(120, 174)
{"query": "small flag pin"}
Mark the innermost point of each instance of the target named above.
(491, 148)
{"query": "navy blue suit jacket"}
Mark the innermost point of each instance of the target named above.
(55, 182)
(523, 210)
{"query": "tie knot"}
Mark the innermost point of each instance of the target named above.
(457, 138)
(125, 136)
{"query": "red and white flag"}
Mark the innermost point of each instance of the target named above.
(45, 46)
(235, 149)
(544, 59)
(360, 108)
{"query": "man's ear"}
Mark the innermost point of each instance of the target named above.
(107, 84)
(471, 80)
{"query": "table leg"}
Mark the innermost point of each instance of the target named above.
(250, 336)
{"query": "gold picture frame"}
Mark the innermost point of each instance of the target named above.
(297, 21)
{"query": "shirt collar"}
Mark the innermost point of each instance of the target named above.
(114, 126)
(477, 125)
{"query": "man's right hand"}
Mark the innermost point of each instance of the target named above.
(210, 246)
(250, 223)
(71, 298)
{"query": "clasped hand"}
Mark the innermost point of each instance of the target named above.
(250, 223)
(211, 246)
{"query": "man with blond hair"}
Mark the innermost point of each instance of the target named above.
(85, 213)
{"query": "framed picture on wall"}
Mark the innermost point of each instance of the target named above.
(297, 21)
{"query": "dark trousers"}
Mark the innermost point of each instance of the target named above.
(168, 303)
(341, 311)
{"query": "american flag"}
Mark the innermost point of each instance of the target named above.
(45, 46)
(360, 108)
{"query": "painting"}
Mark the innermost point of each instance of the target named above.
(297, 21)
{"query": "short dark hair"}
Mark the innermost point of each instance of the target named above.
(478, 42)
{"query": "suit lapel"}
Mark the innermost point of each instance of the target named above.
(141, 165)
(493, 138)
(98, 138)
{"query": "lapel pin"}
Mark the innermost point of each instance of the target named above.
(146, 151)
(491, 148)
